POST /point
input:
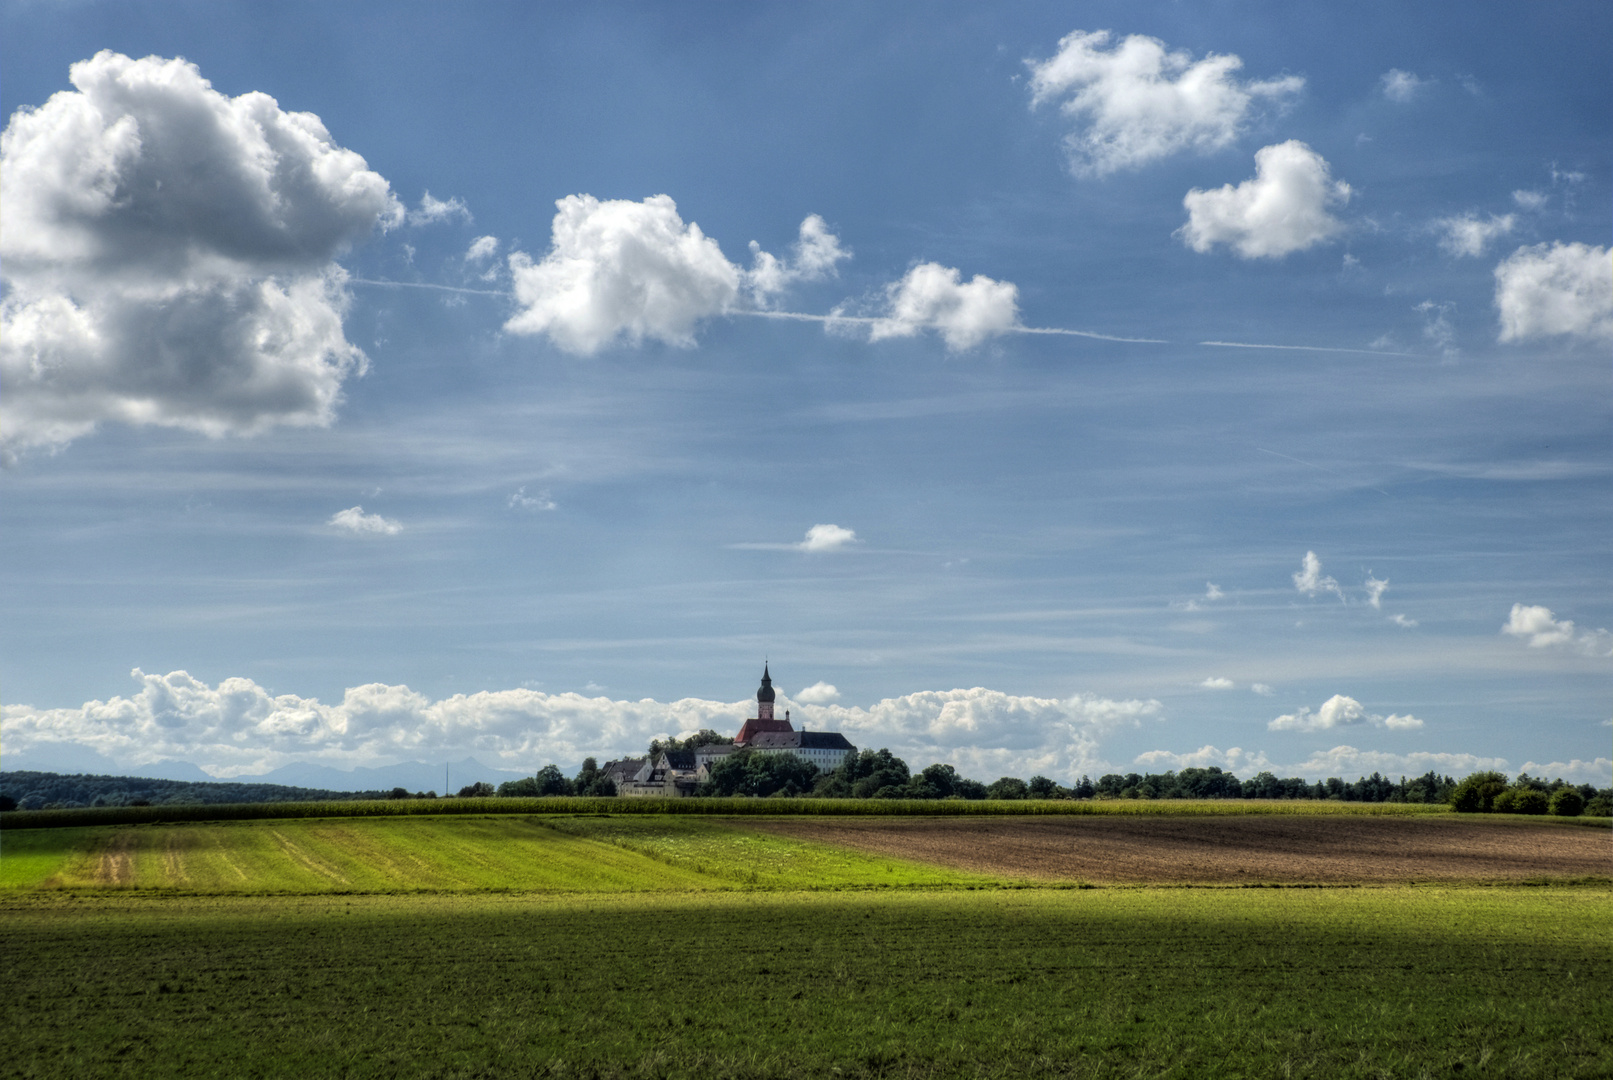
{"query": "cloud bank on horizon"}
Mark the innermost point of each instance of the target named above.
(237, 728)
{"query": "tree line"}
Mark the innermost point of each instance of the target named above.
(871, 774)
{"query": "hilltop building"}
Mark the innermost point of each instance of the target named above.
(676, 773)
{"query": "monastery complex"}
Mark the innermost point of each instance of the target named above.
(677, 773)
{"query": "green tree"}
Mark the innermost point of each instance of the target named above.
(1040, 787)
(481, 789)
(1007, 787)
(1521, 800)
(1567, 802)
(1476, 794)
(746, 772)
(551, 781)
(863, 775)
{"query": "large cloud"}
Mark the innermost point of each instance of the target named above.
(1552, 289)
(1138, 103)
(238, 728)
(167, 254)
(1340, 711)
(934, 297)
(1282, 209)
(622, 271)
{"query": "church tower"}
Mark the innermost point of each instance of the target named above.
(764, 720)
(764, 697)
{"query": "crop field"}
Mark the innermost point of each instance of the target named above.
(1390, 982)
(1234, 849)
(454, 854)
(692, 946)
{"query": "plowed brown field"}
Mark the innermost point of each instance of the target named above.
(1206, 849)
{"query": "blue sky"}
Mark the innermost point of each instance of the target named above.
(349, 473)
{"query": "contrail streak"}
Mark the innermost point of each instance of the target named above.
(425, 285)
(866, 320)
(1304, 348)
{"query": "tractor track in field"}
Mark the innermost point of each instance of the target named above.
(1210, 849)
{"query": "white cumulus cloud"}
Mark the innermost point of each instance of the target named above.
(1340, 711)
(1557, 288)
(481, 249)
(814, 257)
(1345, 761)
(1403, 620)
(1469, 235)
(1135, 102)
(987, 733)
(1262, 689)
(1544, 629)
(1284, 208)
(619, 270)
(819, 693)
(168, 256)
(623, 271)
(1310, 580)
(1234, 759)
(237, 727)
(356, 521)
(827, 537)
(934, 297)
(1217, 682)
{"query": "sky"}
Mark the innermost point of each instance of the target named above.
(1038, 388)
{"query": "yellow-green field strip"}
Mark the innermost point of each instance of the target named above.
(477, 854)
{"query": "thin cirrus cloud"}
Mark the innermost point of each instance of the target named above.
(1284, 208)
(1310, 580)
(355, 521)
(1468, 235)
(1340, 711)
(1556, 289)
(136, 294)
(619, 271)
(1135, 102)
(1401, 86)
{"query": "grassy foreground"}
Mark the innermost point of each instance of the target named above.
(1190, 983)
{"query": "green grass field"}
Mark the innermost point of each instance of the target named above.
(1189, 983)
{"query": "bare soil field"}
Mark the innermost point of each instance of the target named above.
(1206, 849)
